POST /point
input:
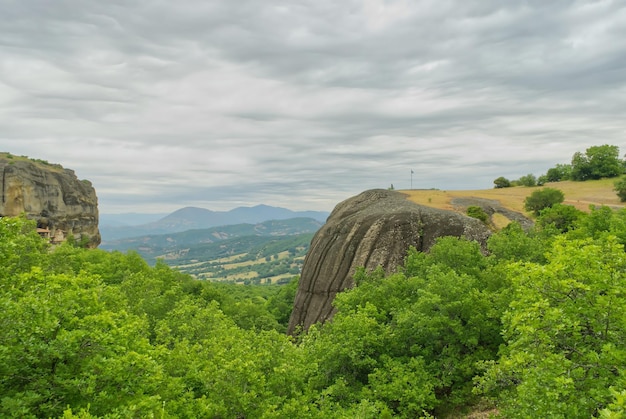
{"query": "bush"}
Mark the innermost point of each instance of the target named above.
(543, 198)
(562, 217)
(620, 188)
(477, 212)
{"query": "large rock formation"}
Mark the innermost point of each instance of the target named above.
(61, 204)
(375, 228)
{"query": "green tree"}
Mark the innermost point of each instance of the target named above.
(559, 172)
(600, 223)
(410, 340)
(528, 180)
(542, 180)
(68, 340)
(281, 304)
(596, 163)
(581, 167)
(604, 161)
(501, 182)
(560, 217)
(20, 246)
(620, 188)
(87, 333)
(543, 198)
(512, 243)
(565, 331)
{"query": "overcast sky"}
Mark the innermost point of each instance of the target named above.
(304, 103)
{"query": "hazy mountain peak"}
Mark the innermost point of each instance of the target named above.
(189, 218)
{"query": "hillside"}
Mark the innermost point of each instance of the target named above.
(579, 194)
(272, 251)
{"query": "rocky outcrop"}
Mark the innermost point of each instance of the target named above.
(61, 204)
(375, 228)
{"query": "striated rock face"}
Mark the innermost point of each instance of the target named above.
(54, 197)
(375, 228)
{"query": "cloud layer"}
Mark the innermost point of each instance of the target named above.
(304, 103)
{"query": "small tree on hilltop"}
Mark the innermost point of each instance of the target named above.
(501, 182)
(597, 162)
(528, 180)
(542, 180)
(543, 198)
(559, 172)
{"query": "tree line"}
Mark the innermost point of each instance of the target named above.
(533, 325)
(596, 162)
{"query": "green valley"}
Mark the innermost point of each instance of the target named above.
(264, 253)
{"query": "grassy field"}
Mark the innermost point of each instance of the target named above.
(579, 194)
(237, 268)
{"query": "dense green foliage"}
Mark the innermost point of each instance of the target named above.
(597, 162)
(478, 213)
(565, 329)
(559, 172)
(560, 217)
(501, 182)
(532, 326)
(542, 199)
(620, 188)
(528, 180)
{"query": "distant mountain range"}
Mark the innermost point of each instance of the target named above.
(120, 226)
(155, 244)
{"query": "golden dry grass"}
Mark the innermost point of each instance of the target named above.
(579, 194)
(241, 276)
(281, 255)
(235, 265)
(277, 278)
(231, 258)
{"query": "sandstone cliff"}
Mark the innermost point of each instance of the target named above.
(373, 229)
(53, 196)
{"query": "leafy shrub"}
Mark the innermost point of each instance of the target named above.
(565, 333)
(620, 188)
(477, 212)
(543, 198)
(562, 217)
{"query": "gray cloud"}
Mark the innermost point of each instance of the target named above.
(304, 103)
